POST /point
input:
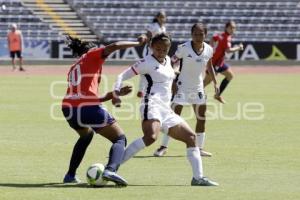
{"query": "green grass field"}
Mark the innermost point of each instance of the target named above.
(253, 159)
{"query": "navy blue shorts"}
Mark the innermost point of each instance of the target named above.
(94, 117)
(13, 54)
(220, 69)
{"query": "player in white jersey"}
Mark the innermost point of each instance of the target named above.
(194, 57)
(155, 107)
(156, 27)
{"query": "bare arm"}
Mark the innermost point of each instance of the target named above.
(125, 75)
(123, 91)
(149, 36)
(174, 60)
(212, 42)
(123, 45)
(175, 64)
(235, 48)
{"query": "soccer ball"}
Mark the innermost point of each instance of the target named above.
(94, 175)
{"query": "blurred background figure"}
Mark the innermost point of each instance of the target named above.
(14, 40)
(222, 45)
(3, 7)
(157, 26)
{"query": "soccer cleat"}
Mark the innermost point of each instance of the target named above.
(22, 69)
(114, 177)
(205, 153)
(161, 151)
(203, 182)
(220, 99)
(71, 179)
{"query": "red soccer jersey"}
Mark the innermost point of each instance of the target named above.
(223, 42)
(83, 80)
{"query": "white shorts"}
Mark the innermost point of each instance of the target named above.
(189, 98)
(167, 117)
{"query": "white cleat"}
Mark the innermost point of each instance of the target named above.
(114, 177)
(205, 153)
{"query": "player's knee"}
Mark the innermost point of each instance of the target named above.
(122, 140)
(87, 136)
(201, 117)
(191, 139)
(230, 76)
(148, 140)
(85, 139)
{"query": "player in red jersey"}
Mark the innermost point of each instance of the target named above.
(222, 44)
(82, 108)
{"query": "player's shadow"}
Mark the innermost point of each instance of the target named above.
(159, 185)
(51, 185)
(169, 156)
(81, 185)
(41, 185)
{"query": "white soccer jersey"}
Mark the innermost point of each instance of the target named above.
(159, 78)
(155, 29)
(155, 103)
(192, 66)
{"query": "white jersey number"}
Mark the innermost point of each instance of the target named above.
(75, 76)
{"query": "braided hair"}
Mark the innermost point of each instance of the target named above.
(77, 46)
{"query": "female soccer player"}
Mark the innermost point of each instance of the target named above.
(155, 108)
(222, 44)
(194, 57)
(82, 108)
(157, 27)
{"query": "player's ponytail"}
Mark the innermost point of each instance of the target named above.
(77, 46)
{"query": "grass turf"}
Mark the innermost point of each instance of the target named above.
(253, 159)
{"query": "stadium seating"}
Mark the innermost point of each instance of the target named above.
(31, 26)
(257, 20)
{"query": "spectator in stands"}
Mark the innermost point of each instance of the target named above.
(222, 45)
(156, 27)
(15, 40)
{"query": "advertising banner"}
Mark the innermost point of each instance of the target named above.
(252, 51)
(32, 49)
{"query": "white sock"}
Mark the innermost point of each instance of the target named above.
(200, 140)
(193, 155)
(165, 140)
(133, 149)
